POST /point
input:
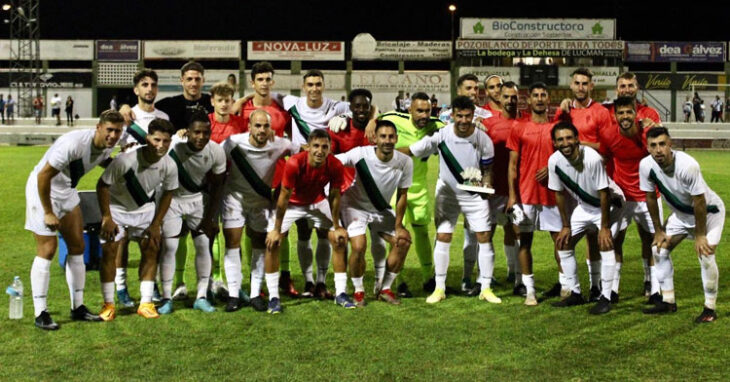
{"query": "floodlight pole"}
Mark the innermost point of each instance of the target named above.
(25, 63)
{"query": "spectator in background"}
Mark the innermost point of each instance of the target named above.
(687, 109)
(113, 103)
(407, 102)
(398, 103)
(717, 107)
(56, 108)
(69, 111)
(697, 106)
(2, 108)
(726, 115)
(38, 108)
(10, 108)
(434, 106)
(702, 110)
(233, 82)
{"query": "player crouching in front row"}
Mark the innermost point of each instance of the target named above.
(127, 202)
(696, 211)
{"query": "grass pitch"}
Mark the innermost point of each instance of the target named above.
(458, 339)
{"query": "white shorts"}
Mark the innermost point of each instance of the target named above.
(582, 220)
(540, 218)
(677, 225)
(189, 208)
(236, 215)
(318, 215)
(497, 205)
(639, 212)
(449, 205)
(134, 223)
(356, 221)
(34, 212)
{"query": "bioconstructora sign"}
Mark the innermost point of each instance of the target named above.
(538, 29)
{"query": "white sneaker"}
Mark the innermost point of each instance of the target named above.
(181, 293)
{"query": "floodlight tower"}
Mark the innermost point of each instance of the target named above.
(25, 63)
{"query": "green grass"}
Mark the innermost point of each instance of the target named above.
(459, 339)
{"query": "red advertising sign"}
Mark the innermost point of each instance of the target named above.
(296, 50)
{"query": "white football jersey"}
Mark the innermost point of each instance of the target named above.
(133, 181)
(455, 153)
(306, 119)
(678, 188)
(252, 168)
(141, 119)
(376, 181)
(583, 185)
(192, 166)
(73, 155)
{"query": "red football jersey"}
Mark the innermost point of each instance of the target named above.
(308, 182)
(589, 121)
(534, 144)
(280, 119)
(344, 141)
(499, 129)
(220, 131)
(624, 155)
(347, 139)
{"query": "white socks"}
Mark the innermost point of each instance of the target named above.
(710, 278)
(594, 272)
(529, 282)
(388, 280)
(257, 270)
(510, 252)
(304, 252)
(616, 277)
(340, 283)
(40, 276)
(272, 284)
(358, 284)
(167, 265)
(76, 279)
(107, 291)
(665, 274)
(146, 288)
(203, 264)
(441, 263)
(486, 264)
(608, 267)
(120, 279)
(323, 254)
(570, 270)
(232, 265)
(470, 252)
(377, 249)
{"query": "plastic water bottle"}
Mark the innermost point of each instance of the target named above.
(16, 299)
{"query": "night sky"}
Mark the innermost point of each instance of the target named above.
(342, 20)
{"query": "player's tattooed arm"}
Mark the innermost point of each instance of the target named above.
(44, 192)
(273, 238)
(605, 239)
(561, 242)
(209, 224)
(700, 211)
(514, 158)
(154, 231)
(401, 233)
(660, 238)
(109, 228)
(334, 201)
